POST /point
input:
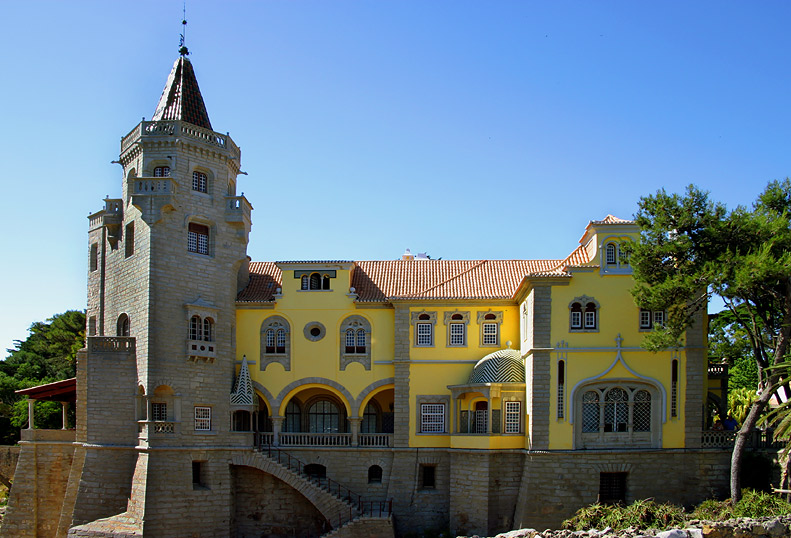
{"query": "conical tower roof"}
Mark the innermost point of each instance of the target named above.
(181, 98)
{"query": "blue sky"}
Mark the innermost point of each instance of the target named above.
(463, 129)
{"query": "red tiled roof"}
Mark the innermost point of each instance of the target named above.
(578, 258)
(380, 281)
(611, 219)
(181, 99)
(265, 278)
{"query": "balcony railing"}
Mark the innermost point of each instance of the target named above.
(147, 428)
(726, 438)
(376, 439)
(111, 344)
(175, 128)
(153, 185)
(315, 439)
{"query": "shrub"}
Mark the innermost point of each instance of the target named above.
(642, 514)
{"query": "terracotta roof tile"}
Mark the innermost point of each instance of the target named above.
(181, 99)
(611, 219)
(265, 278)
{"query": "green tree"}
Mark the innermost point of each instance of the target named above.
(48, 354)
(692, 248)
(729, 341)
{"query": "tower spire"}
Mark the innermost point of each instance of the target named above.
(183, 50)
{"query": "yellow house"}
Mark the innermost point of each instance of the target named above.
(220, 397)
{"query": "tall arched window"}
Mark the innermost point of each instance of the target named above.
(122, 327)
(355, 342)
(305, 282)
(208, 329)
(293, 422)
(370, 418)
(324, 417)
(275, 342)
(315, 281)
(195, 328)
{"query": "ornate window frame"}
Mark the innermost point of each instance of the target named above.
(456, 320)
(428, 322)
(359, 326)
(580, 312)
(432, 399)
(201, 317)
(275, 324)
(614, 423)
(485, 321)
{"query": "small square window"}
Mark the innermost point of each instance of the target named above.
(612, 488)
(428, 477)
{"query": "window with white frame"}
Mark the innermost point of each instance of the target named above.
(650, 319)
(615, 257)
(200, 181)
(489, 323)
(584, 314)
(202, 418)
(198, 238)
(201, 329)
(432, 418)
(513, 412)
(424, 328)
(355, 341)
(457, 328)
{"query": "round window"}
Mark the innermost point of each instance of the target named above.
(314, 331)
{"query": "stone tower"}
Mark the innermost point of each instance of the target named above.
(165, 261)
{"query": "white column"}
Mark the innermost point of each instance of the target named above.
(65, 415)
(30, 403)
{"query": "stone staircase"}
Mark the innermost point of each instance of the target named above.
(347, 512)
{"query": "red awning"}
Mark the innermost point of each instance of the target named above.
(59, 391)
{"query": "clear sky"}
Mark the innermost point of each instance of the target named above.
(472, 130)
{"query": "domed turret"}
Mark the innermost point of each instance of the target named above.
(502, 366)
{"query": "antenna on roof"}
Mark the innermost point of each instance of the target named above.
(183, 50)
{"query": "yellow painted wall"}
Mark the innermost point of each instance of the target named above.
(322, 358)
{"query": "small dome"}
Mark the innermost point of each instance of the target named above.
(502, 366)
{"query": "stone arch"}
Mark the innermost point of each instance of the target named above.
(369, 392)
(330, 506)
(341, 391)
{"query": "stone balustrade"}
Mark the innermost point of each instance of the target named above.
(315, 439)
(111, 344)
(376, 439)
(180, 129)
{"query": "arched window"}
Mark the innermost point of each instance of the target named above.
(374, 474)
(122, 327)
(590, 316)
(325, 282)
(293, 422)
(208, 329)
(264, 423)
(576, 316)
(611, 254)
(305, 282)
(275, 342)
(355, 341)
(616, 411)
(370, 418)
(195, 328)
(618, 415)
(241, 420)
(324, 417)
(480, 418)
(315, 281)
(162, 171)
(584, 314)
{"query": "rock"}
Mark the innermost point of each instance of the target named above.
(672, 533)
(694, 532)
(775, 528)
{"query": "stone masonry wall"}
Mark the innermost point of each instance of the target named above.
(538, 369)
(266, 506)
(555, 485)
(42, 475)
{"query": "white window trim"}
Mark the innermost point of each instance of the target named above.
(202, 418)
